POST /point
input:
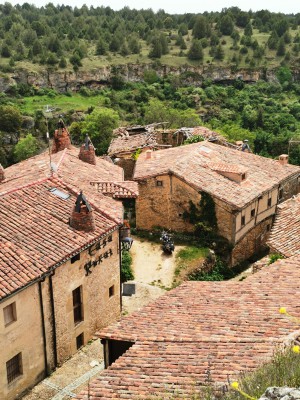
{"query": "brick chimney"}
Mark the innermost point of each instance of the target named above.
(82, 217)
(148, 154)
(87, 152)
(61, 138)
(2, 173)
(283, 159)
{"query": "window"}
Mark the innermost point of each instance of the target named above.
(79, 341)
(268, 227)
(14, 368)
(269, 202)
(159, 183)
(280, 194)
(252, 212)
(111, 291)
(243, 220)
(77, 305)
(243, 177)
(75, 258)
(10, 314)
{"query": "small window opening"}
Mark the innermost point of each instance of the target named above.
(10, 314)
(79, 341)
(243, 220)
(111, 291)
(159, 183)
(14, 368)
(269, 202)
(243, 177)
(280, 194)
(268, 227)
(75, 258)
(252, 212)
(77, 305)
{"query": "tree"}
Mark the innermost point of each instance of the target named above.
(99, 125)
(226, 25)
(195, 52)
(156, 50)
(248, 30)
(101, 47)
(281, 48)
(37, 48)
(10, 119)
(5, 51)
(219, 53)
(25, 148)
(201, 28)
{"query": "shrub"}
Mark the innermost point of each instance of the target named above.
(126, 270)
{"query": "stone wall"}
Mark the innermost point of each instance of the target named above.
(24, 336)
(165, 204)
(99, 309)
(253, 242)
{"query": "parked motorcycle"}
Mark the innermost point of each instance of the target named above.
(167, 242)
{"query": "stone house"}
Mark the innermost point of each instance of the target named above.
(199, 334)
(284, 237)
(59, 278)
(245, 188)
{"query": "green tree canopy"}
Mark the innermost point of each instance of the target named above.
(99, 125)
(25, 148)
(10, 119)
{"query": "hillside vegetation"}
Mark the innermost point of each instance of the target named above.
(62, 38)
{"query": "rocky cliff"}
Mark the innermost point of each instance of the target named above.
(63, 81)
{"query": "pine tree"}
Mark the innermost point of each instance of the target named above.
(195, 52)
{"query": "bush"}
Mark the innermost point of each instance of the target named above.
(126, 270)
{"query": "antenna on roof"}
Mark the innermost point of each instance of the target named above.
(47, 112)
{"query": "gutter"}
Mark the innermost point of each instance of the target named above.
(43, 328)
(53, 319)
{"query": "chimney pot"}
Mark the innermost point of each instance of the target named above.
(82, 216)
(87, 152)
(283, 159)
(148, 154)
(61, 138)
(2, 173)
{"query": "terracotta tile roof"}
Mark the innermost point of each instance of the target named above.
(228, 167)
(118, 190)
(285, 234)
(35, 233)
(72, 171)
(192, 164)
(220, 327)
(127, 144)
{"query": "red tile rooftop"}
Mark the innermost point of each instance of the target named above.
(191, 163)
(285, 234)
(201, 330)
(35, 233)
(72, 171)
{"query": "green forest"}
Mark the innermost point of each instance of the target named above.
(75, 40)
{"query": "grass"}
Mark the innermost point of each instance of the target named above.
(187, 260)
(63, 103)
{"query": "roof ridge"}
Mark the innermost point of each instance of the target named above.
(61, 158)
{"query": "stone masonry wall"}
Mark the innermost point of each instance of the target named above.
(252, 242)
(99, 308)
(164, 205)
(24, 335)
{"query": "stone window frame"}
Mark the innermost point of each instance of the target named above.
(243, 220)
(14, 368)
(80, 341)
(111, 291)
(10, 314)
(77, 305)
